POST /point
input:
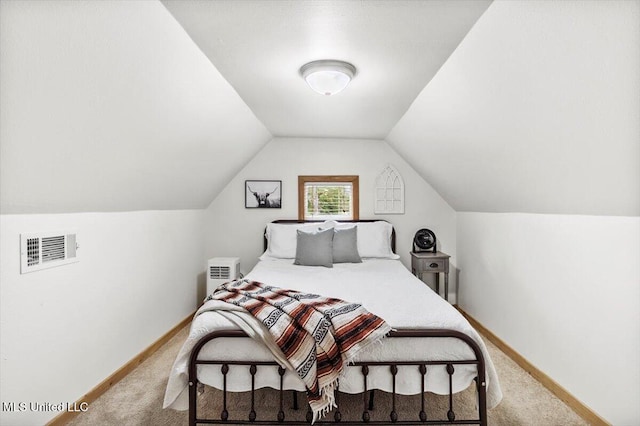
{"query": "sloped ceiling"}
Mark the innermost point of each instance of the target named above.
(109, 106)
(260, 45)
(538, 110)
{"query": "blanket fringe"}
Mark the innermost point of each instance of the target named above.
(355, 356)
(327, 392)
(328, 401)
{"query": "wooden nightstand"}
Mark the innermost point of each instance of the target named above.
(433, 263)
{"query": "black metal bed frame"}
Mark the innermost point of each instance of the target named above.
(422, 367)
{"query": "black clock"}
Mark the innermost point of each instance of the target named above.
(424, 240)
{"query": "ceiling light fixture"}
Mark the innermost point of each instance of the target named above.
(328, 77)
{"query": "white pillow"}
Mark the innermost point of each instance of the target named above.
(374, 239)
(282, 237)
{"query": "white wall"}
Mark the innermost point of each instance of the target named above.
(66, 329)
(233, 230)
(564, 292)
(537, 111)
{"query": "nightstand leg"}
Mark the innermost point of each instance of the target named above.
(446, 286)
(438, 283)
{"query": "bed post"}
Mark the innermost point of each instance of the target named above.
(193, 380)
(482, 396)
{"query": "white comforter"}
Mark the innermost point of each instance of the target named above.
(384, 287)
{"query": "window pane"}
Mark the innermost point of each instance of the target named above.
(328, 200)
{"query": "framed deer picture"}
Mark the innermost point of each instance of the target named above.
(262, 194)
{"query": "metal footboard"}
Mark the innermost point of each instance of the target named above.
(280, 417)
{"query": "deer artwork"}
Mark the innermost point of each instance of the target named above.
(263, 198)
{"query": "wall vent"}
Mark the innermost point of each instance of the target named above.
(47, 249)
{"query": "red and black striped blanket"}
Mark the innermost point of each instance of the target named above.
(318, 335)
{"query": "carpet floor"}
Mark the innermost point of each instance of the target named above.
(137, 399)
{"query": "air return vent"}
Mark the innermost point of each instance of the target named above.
(47, 249)
(217, 272)
(220, 270)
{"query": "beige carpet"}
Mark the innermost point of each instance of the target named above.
(137, 399)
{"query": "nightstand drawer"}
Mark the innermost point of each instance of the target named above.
(431, 265)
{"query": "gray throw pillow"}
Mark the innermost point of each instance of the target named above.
(345, 246)
(314, 248)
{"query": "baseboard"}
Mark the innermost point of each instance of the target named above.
(578, 407)
(119, 374)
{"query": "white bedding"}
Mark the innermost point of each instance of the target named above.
(384, 287)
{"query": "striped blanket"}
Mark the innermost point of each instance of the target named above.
(317, 335)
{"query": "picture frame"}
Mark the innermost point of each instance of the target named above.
(262, 194)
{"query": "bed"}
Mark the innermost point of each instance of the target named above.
(431, 349)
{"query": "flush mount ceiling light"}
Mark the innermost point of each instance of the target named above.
(327, 77)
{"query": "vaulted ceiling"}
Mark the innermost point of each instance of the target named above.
(510, 106)
(259, 46)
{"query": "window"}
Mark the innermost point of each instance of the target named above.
(328, 197)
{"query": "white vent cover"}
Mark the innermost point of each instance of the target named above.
(221, 270)
(47, 249)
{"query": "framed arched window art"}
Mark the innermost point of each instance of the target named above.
(389, 192)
